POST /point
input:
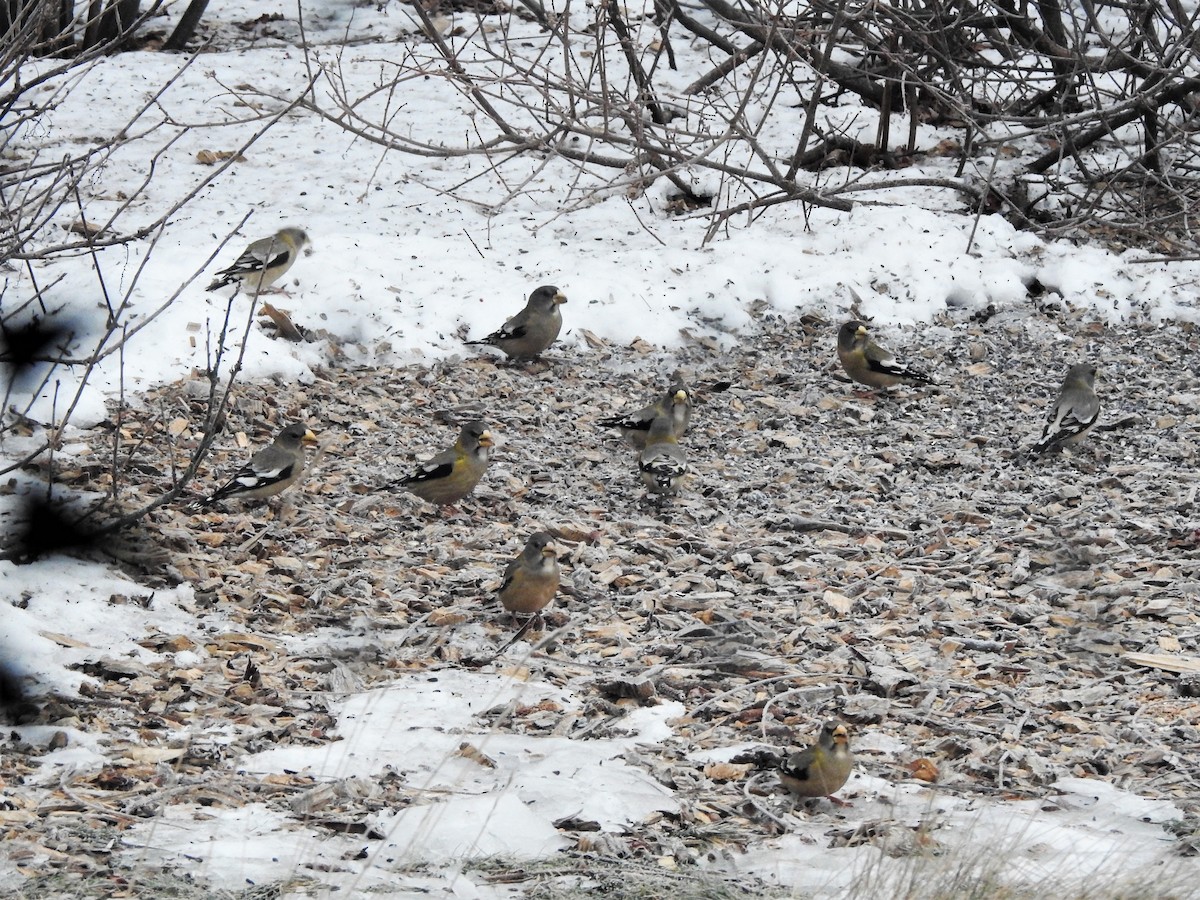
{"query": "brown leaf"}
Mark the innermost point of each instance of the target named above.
(212, 157)
(440, 618)
(923, 769)
(282, 321)
(723, 771)
(470, 751)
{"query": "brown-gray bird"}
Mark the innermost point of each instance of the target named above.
(662, 464)
(821, 769)
(269, 471)
(533, 329)
(675, 404)
(868, 363)
(453, 473)
(1073, 413)
(531, 580)
(264, 262)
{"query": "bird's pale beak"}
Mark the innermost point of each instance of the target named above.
(681, 396)
(560, 297)
(485, 440)
(550, 552)
(861, 330)
(840, 735)
(309, 439)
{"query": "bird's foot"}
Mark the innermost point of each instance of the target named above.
(530, 623)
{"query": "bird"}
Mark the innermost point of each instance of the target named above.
(269, 471)
(676, 404)
(264, 262)
(453, 473)
(533, 329)
(531, 580)
(868, 363)
(822, 768)
(663, 463)
(1073, 413)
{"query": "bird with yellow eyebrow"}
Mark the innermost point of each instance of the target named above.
(675, 404)
(533, 329)
(269, 471)
(868, 363)
(531, 580)
(1073, 413)
(453, 473)
(264, 262)
(822, 768)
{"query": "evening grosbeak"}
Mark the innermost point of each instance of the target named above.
(453, 473)
(821, 769)
(264, 262)
(675, 404)
(1073, 413)
(531, 580)
(868, 363)
(662, 464)
(533, 329)
(269, 471)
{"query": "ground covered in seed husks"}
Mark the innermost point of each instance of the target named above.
(991, 627)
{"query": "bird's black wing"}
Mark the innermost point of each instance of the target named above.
(431, 471)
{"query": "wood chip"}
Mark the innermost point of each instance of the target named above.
(1168, 662)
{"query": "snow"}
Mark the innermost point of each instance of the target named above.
(91, 607)
(426, 718)
(462, 809)
(401, 269)
(1088, 828)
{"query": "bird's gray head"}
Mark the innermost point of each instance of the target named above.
(539, 545)
(547, 297)
(297, 236)
(834, 732)
(850, 333)
(296, 434)
(476, 434)
(1084, 372)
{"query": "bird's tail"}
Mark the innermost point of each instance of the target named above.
(1047, 444)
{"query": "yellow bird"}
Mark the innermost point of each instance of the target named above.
(453, 473)
(868, 363)
(821, 769)
(676, 404)
(264, 262)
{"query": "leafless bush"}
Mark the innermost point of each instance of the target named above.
(66, 28)
(51, 349)
(1061, 117)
